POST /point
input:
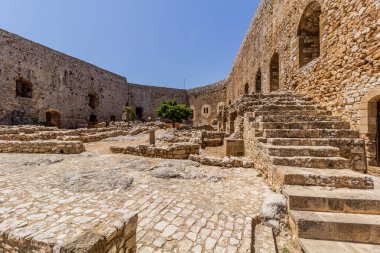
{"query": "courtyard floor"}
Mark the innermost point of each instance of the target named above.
(182, 206)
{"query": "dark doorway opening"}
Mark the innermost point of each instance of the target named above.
(139, 112)
(258, 82)
(93, 119)
(246, 89)
(378, 135)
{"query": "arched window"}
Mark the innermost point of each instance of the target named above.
(246, 89)
(258, 82)
(275, 73)
(309, 34)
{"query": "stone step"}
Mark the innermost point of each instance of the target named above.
(303, 125)
(334, 142)
(281, 95)
(281, 108)
(290, 113)
(291, 151)
(323, 246)
(321, 199)
(359, 228)
(311, 162)
(310, 133)
(295, 118)
(285, 175)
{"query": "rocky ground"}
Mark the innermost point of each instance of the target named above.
(183, 206)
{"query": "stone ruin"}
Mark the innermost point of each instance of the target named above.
(300, 106)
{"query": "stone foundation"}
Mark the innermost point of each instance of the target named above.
(173, 151)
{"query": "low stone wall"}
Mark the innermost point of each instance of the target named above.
(93, 137)
(46, 147)
(24, 129)
(228, 162)
(173, 151)
(84, 135)
(212, 139)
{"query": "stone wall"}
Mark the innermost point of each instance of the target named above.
(206, 102)
(337, 70)
(148, 98)
(41, 85)
(173, 151)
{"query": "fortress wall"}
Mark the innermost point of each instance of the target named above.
(212, 97)
(60, 83)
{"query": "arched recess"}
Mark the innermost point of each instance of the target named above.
(274, 71)
(369, 124)
(309, 34)
(193, 115)
(258, 82)
(53, 118)
(246, 89)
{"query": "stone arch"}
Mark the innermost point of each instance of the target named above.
(246, 89)
(53, 118)
(309, 45)
(274, 72)
(258, 82)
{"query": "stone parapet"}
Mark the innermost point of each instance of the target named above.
(228, 162)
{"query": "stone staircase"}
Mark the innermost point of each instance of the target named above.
(318, 162)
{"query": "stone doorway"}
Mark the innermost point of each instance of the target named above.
(274, 73)
(258, 82)
(53, 118)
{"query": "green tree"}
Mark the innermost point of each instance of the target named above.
(173, 111)
(130, 113)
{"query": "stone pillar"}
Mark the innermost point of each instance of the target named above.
(152, 137)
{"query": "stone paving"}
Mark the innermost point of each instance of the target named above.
(211, 211)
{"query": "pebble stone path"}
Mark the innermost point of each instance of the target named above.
(175, 215)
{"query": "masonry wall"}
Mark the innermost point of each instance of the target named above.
(211, 97)
(62, 85)
(150, 97)
(344, 72)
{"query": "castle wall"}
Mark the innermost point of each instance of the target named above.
(206, 102)
(348, 65)
(67, 88)
(149, 97)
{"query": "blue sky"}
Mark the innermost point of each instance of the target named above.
(156, 42)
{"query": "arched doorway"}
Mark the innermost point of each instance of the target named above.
(246, 89)
(258, 82)
(274, 73)
(53, 118)
(369, 125)
(93, 119)
(309, 34)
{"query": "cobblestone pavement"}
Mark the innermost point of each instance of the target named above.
(210, 213)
